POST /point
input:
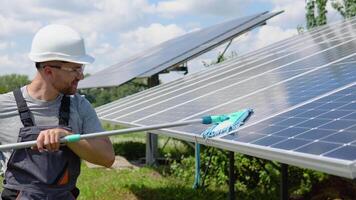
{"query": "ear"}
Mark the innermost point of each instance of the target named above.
(47, 71)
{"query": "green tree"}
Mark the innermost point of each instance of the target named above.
(12, 81)
(347, 8)
(316, 13)
(101, 96)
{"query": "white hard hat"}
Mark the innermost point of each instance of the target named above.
(59, 42)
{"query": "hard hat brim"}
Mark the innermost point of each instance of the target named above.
(86, 59)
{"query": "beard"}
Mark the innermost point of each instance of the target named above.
(67, 89)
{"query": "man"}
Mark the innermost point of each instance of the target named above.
(46, 110)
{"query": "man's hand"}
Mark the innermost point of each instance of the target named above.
(49, 139)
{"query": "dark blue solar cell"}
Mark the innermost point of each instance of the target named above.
(243, 137)
(196, 128)
(270, 130)
(247, 137)
(350, 117)
(291, 121)
(334, 114)
(337, 125)
(347, 98)
(292, 113)
(345, 152)
(318, 148)
(350, 106)
(273, 121)
(330, 98)
(329, 106)
(269, 140)
(290, 132)
(229, 137)
(290, 144)
(341, 137)
(313, 123)
(351, 129)
(315, 134)
(311, 113)
(255, 128)
(311, 105)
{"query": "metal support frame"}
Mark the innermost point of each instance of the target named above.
(232, 177)
(152, 139)
(284, 182)
(223, 53)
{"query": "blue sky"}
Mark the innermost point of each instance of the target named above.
(116, 29)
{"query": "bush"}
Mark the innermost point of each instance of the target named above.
(256, 178)
(130, 150)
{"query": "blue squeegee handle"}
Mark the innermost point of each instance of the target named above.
(77, 137)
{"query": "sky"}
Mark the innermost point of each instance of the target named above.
(115, 29)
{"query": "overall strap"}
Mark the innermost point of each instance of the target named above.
(64, 111)
(25, 113)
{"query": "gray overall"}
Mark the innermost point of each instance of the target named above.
(34, 175)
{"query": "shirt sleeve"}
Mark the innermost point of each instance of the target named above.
(90, 120)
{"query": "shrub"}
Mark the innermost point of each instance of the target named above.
(255, 178)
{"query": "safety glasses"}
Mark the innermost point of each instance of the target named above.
(79, 69)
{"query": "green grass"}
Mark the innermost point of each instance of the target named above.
(142, 183)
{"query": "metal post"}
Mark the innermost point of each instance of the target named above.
(223, 53)
(232, 178)
(152, 139)
(284, 182)
(151, 148)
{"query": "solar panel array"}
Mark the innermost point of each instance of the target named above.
(173, 52)
(302, 91)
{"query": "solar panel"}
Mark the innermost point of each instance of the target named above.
(173, 52)
(259, 56)
(301, 89)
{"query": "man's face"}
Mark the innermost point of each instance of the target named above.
(66, 76)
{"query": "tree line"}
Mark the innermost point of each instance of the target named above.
(316, 11)
(96, 96)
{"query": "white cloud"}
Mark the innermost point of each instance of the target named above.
(207, 7)
(108, 16)
(7, 45)
(86, 16)
(3, 45)
(270, 34)
(332, 15)
(11, 26)
(6, 61)
(16, 63)
(260, 37)
(132, 42)
(293, 15)
(100, 22)
(148, 36)
(143, 38)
